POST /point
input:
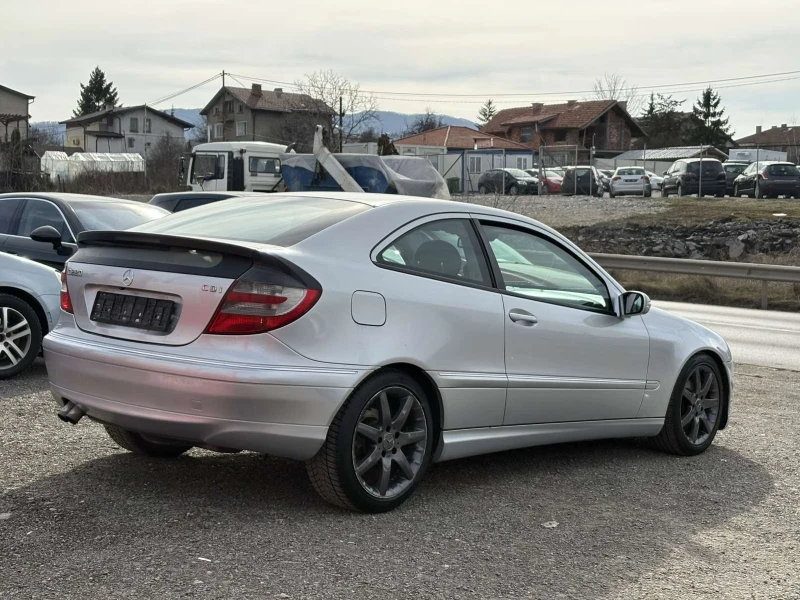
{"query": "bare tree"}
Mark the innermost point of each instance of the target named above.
(199, 133)
(360, 108)
(45, 137)
(424, 122)
(615, 87)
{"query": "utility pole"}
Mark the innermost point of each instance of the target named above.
(223, 77)
(341, 125)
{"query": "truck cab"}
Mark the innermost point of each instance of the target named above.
(236, 166)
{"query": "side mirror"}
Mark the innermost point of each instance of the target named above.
(50, 235)
(634, 303)
(208, 177)
(664, 173)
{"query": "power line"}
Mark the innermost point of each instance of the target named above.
(189, 89)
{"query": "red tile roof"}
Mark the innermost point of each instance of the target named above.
(273, 101)
(570, 115)
(455, 137)
(775, 136)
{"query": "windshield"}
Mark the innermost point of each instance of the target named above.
(108, 215)
(274, 219)
(517, 173)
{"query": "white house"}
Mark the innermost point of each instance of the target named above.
(13, 113)
(130, 129)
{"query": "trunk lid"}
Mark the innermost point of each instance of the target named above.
(152, 288)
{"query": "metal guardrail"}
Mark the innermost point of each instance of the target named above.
(709, 268)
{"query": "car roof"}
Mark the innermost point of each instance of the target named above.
(708, 158)
(185, 194)
(70, 199)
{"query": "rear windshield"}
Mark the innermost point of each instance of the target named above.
(783, 170)
(735, 168)
(108, 215)
(630, 172)
(275, 219)
(709, 166)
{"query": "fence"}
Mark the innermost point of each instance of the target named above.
(709, 268)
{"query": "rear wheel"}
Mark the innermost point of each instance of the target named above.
(679, 190)
(379, 446)
(20, 336)
(513, 190)
(648, 194)
(146, 446)
(695, 409)
(736, 193)
(611, 195)
(481, 189)
(757, 193)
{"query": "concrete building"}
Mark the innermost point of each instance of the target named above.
(14, 113)
(131, 129)
(253, 114)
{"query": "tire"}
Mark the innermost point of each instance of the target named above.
(20, 336)
(720, 194)
(332, 470)
(482, 189)
(138, 444)
(757, 193)
(611, 195)
(664, 192)
(736, 193)
(513, 190)
(648, 194)
(679, 190)
(674, 437)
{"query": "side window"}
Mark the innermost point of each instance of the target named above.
(7, 210)
(40, 212)
(536, 267)
(448, 248)
(262, 164)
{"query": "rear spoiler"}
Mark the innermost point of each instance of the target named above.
(138, 239)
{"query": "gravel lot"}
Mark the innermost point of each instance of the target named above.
(81, 519)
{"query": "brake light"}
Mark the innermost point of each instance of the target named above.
(257, 307)
(66, 301)
(617, 178)
(646, 179)
(764, 174)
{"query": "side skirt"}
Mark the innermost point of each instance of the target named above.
(459, 443)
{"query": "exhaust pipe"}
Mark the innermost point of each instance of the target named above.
(71, 413)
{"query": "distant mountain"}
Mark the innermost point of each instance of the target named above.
(386, 121)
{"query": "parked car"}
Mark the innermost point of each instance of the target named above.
(551, 179)
(605, 177)
(69, 215)
(768, 180)
(29, 309)
(683, 178)
(370, 335)
(630, 180)
(732, 170)
(178, 201)
(582, 180)
(655, 180)
(507, 181)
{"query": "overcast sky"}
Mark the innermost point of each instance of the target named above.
(150, 48)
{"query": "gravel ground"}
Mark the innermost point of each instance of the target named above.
(81, 519)
(567, 211)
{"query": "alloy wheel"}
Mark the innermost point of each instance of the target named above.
(389, 442)
(700, 405)
(15, 337)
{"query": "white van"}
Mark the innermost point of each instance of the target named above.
(236, 166)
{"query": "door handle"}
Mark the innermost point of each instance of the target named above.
(522, 317)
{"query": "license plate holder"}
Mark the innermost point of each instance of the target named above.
(138, 312)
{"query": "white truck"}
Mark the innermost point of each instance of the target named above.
(755, 154)
(235, 166)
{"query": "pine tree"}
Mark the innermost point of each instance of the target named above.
(663, 122)
(96, 94)
(710, 126)
(487, 111)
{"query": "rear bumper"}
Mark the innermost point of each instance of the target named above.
(620, 190)
(278, 410)
(710, 188)
(779, 188)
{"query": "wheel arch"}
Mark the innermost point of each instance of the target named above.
(33, 302)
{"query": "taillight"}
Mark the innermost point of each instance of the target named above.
(66, 301)
(617, 178)
(764, 175)
(258, 306)
(646, 179)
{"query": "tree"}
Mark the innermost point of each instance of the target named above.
(44, 136)
(487, 111)
(615, 87)
(663, 122)
(96, 94)
(709, 123)
(360, 108)
(423, 122)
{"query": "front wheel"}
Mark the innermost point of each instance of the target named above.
(757, 193)
(145, 446)
(20, 336)
(695, 409)
(482, 189)
(513, 190)
(378, 447)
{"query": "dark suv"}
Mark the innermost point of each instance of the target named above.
(768, 180)
(507, 181)
(582, 180)
(684, 178)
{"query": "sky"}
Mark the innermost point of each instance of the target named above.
(466, 50)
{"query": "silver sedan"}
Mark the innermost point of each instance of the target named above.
(630, 181)
(370, 335)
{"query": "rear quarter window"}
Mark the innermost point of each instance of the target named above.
(275, 220)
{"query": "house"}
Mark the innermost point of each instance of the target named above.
(604, 124)
(785, 138)
(658, 160)
(462, 153)
(253, 114)
(131, 129)
(14, 113)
